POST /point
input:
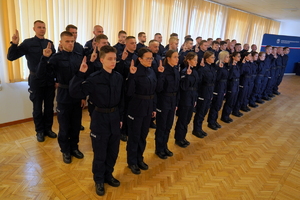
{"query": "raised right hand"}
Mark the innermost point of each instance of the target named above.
(83, 66)
(15, 37)
(132, 68)
(124, 54)
(94, 55)
(189, 71)
(48, 51)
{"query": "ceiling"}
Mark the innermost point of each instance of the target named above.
(280, 10)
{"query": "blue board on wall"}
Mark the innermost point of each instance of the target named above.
(292, 42)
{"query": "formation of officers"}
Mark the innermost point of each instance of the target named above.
(131, 85)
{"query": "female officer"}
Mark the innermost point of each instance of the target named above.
(219, 90)
(232, 87)
(207, 78)
(188, 97)
(141, 107)
(167, 99)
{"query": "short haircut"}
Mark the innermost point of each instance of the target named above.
(129, 37)
(174, 35)
(38, 21)
(152, 41)
(284, 48)
(173, 39)
(187, 36)
(106, 49)
(188, 40)
(66, 33)
(237, 44)
(215, 42)
(208, 39)
(202, 42)
(141, 33)
(268, 46)
(274, 47)
(101, 36)
(70, 26)
(253, 53)
(218, 38)
(157, 34)
(122, 32)
(233, 40)
(261, 53)
(198, 37)
(222, 43)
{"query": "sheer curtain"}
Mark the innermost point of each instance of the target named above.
(193, 17)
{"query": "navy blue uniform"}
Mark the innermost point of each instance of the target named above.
(219, 92)
(138, 46)
(272, 79)
(255, 72)
(88, 47)
(161, 50)
(167, 100)
(200, 54)
(65, 65)
(232, 91)
(278, 73)
(188, 97)
(207, 78)
(41, 90)
(245, 78)
(182, 55)
(141, 90)
(260, 80)
(267, 75)
(106, 92)
(120, 48)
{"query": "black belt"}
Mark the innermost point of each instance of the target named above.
(32, 73)
(139, 96)
(192, 89)
(223, 80)
(63, 86)
(208, 84)
(173, 94)
(106, 110)
(267, 70)
(260, 75)
(235, 79)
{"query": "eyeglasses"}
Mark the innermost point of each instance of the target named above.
(149, 59)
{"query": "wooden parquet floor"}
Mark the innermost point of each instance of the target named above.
(255, 157)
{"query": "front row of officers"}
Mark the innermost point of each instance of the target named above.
(125, 92)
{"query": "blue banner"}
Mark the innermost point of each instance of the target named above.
(292, 42)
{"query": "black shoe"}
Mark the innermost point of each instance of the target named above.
(112, 182)
(143, 165)
(100, 189)
(187, 142)
(266, 98)
(271, 95)
(244, 109)
(276, 92)
(67, 158)
(40, 137)
(77, 154)
(81, 127)
(253, 105)
(218, 125)
(134, 169)
(152, 125)
(198, 134)
(161, 154)
(203, 133)
(260, 101)
(212, 126)
(181, 143)
(238, 114)
(123, 137)
(231, 120)
(225, 120)
(168, 152)
(51, 134)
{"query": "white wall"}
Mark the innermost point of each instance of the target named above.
(290, 28)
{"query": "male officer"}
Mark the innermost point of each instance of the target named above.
(158, 37)
(142, 39)
(42, 91)
(196, 47)
(77, 46)
(69, 110)
(121, 42)
(88, 47)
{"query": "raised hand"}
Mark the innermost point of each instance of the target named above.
(244, 60)
(184, 48)
(60, 47)
(221, 65)
(197, 48)
(189, 71)
(132, 68)
(124, 54)
(94, 55)
(15, 37)
(160, 69)
(83, 67)
(202, 62)
(48, 51)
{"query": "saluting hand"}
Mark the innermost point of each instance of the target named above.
(244, 60)
(94, 55)
(124, 54)
(160, 69)
(48, 51)
(221, 64)
(202, 62)
(83, 67)
(234, 63)
(15, 37)
(132, 68)
(189, 71)
(153, 114)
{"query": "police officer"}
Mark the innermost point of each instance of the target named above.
(141, 107)
(267, 77)
(279, 63)
(41, 90)
(232, 87)
(121, 42)
(105, 88)
(142, 40)
(77, 46)
(200, 53)
(207, 78)
(219, 90)
(188, 96)
(69, 110)
(186, 48)
(89, 45)
(259, 80)
(167, 101)
(255, 70)
(158, 37)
